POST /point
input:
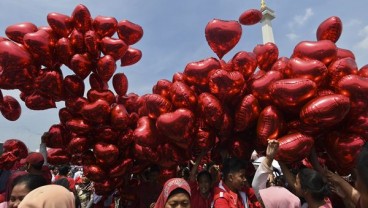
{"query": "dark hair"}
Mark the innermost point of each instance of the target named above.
(177, 191)
(30, 180)
(64, 170)
(37, 166)
(63, 182)
(362, 164)
(232, 165)
(312, 181)
(204, 173)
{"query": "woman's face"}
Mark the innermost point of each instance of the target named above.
(179, 200)
(18, 193)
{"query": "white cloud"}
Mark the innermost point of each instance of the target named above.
(300, 20)
(364, 42)
(292, 36)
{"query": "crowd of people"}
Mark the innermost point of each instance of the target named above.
(233, 184)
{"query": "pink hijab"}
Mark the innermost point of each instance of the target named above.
(279, 197)
(169, 187)
(49, 196)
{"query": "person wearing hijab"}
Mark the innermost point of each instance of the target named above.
(49, 196)
(175, 193)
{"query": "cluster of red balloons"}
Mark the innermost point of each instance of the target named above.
(317, 96)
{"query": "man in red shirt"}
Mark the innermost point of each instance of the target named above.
(201, 190)
(229, 194)
(34, 165)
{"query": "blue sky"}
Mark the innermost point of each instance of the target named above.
(174, 36)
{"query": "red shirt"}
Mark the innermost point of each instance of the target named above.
(70, 180)
(196, 199)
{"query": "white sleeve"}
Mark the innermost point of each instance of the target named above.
(260, 178)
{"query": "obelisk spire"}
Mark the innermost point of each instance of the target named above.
(268, 15)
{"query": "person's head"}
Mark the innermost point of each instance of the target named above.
(64, 170)
(234, 173)
(310, 183)
(63, 182)
(204, 180)
(22, 186)
(153, 173)
(34, 161)
(361, 182)
(175, 194)
(49, 196)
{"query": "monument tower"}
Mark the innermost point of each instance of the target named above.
(268, 15)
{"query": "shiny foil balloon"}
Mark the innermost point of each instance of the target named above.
(267, 54)
(57, 156)
(10, 108)
(16, 32)
(122, 168)
(82, 18)
(326, 110)
(13, 56)
(50, 82)
(38, 43)
(77, 41)
(354, 86)
(323, 50)
(363, 71)
(211, 110)
(156, 105)
(105, 153)
(94, 172)
(340, 68)
(280, 65)
(330, 29)
(105, 133)
(61, 24)
(246, 113)
(119, 117)
(359, 125)
(177, 125)
(37, 101)
(294, 147)
(250, 17)
(289, 93)
(91, 41)
(129, 32)
(77, 145)
(309, 69)
(222, 35)
(162, 88)
(204, 139)
(8, 160)
(146, 134)
(344, 149)
(120, 83)
(245, 63)
(259, 86)
(96, 112)
(75, 104)
(105, 26)
(344, 53)
(131, 56)
(196, 72)
(73, 86)
(56, 137)
(106, 67)
(225, 85)
(17, 147)
(270, 125)
(106, 95)
(81, 65)
(64, 51)
(179, 76)
(182, 96)
(97, 83)
(114, 47)
(78, 126)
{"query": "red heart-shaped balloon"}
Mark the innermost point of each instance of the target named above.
(270, 125)
(119, 117)
(106, 153)
(105, 133)
(330, 29)
(56, 137)
(162, 87)
(177, 125)
(65, 115)
(13, 56)
(196, 73)
(94, 172)
(121, 168)
(250, 17)
(179, 76)
(96, 112)
(82, 18)
(344, 53)
(97, 83)
(16, 32)
(75, 104)
(294, 147)
(106, 95)
(156, 105)
(106, 67)
(77, 145)
(267, 54)
(39, 44)
(114, 47)
(37, 101)
(64, 51)
(120, 83)
(246, 114)
(105, 26)
(211, 110)
(340, 68)
(354, 86)
(146, 134)
(17, 147)
(309, 69)
(77, 40)
(129, 32)
(260, 85)
(78, 125)
(359, 125)
(7, 160)
(244, 62)
(73, 86)
(325, 110)
(323, 50)
(280, 64)
(225, 85)
(222, 35)
(50, 82)
(10, 108)
(57, 156)
(91, 41)
(131, 56)
(292, 93)
(204, 139)
(182, 96)
(61, 24)
(81, 64)
(363, 71)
